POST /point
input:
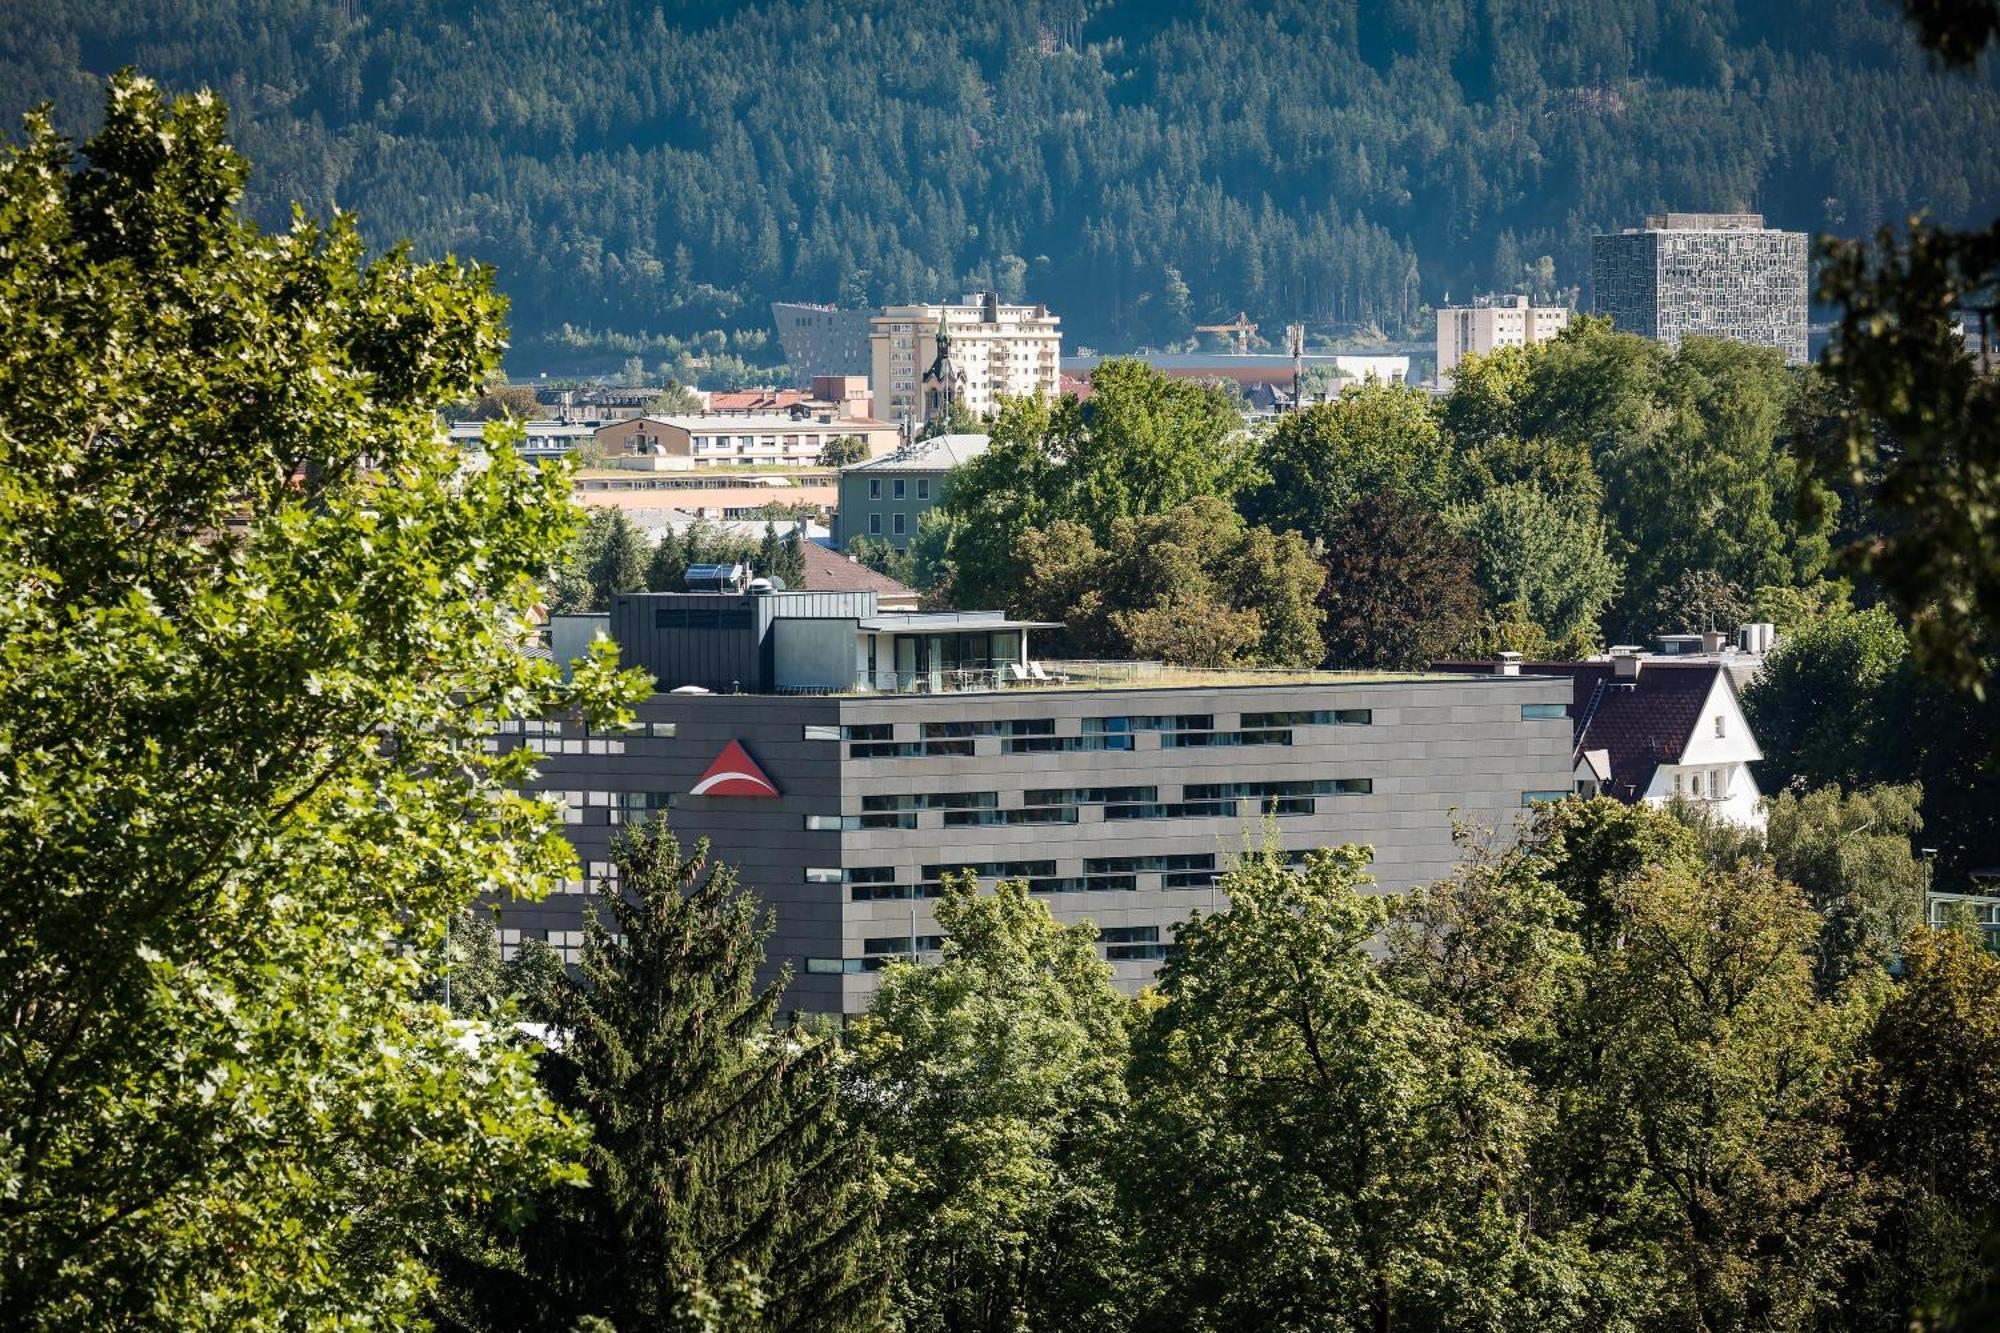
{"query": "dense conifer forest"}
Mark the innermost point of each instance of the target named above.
(639, 171)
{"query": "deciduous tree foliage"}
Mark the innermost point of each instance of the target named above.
(1375, 439)
(1399, 592)
(1549, 556)
(1911, 378)
(994, 1082)
(257, 624)
(1926, 1118)
(1852, 853)
(1193, 587)
(1143, 443)
(1310, 1149)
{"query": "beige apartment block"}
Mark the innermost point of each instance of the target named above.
(1491, 322)
(683, 443)
(996, 350)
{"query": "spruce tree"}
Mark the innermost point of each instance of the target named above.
(771, 553)
(723, 1175)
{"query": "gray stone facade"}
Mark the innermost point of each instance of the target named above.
(1065, 787)
(1722, 275)
(821, 339)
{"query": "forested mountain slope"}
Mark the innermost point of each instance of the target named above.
(670, 168)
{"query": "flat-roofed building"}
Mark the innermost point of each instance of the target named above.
(784, 439)
(1723, 275)
(996, 351)
(1492, 322)
(850, 757)
(821, 339)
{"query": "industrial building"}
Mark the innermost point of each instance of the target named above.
(847, 758)
(1724, 275)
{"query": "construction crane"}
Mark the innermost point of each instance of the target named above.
(1242, 328)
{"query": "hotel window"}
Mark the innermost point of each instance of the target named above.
(896, 524)
(875, 525)
(874, 488)
(900, 485)
(923, 488)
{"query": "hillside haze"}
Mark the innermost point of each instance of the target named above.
(637, 170)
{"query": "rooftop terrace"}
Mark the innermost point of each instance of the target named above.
(1072, 676)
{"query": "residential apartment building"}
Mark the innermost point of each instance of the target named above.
(941, 744)
(783, 439)
(821, 339)
(1724, 275)
(1492, 322)
(884, 498)
(995, 350)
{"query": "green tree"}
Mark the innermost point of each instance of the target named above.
(618, 557)
(1852, 854)
(1711, 487)
(996, 1085)
(1926, 1117)
(1710, 1048)
(260, 624)
(471, 980)
(1822, 706)
(722, 1165)
(508, 402)
(674, 401)
(666, 568)
(1549, 557)
(609, 556)
(844, 452)
(1924, 422)
(1308, 1148)
(1195, 587)
(1149, 443)
(1697, 600)
(1320, 461)
(1400, 592)
(1143, 444)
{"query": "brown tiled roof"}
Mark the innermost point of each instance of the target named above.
(828, 570)
(1640, 724)
(755, 400)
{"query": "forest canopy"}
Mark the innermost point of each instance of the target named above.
(640, 172)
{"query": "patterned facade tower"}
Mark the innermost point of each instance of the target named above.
(1724, 275)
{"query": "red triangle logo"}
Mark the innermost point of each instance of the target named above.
(734, 773)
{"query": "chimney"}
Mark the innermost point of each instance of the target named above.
(1712, 640)
(1625, 662)
(1508, 665)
